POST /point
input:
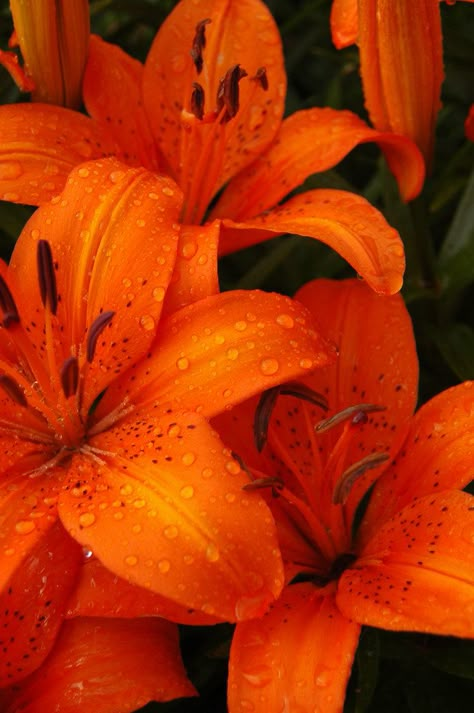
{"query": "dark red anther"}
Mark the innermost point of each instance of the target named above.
(96, 329)
(228, 92)
(199, 42)
(11, 388)
(70, 376)
(197, 101)
(7, 305)
(261, 78)
(46, 276)
(359, 418)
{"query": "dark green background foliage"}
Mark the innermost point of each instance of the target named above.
(393, 672)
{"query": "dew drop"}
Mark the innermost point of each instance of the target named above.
(259, 676)
(188, 458)
(116, 176)
(147, 322)
(126, 489)
(10, 170)
(118, 515)
(136, 529)
(187, 492)
(86, 519)
(323, 678)
(269, 366)
(173, 430)
(182, 364)
(139, 504)
(83, 172)
(87, 552)
(24, 527)
(164, 566)
(207, 473)
(167, 191)
(171, 532)
(158, 294)
(189, 250)
(230, 497)
(240, 326)
(232, 354)
(232, 467)
(306, 363)
(131, 560)
(212, 552)
(284, 320)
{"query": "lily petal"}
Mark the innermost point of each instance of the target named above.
(405, 100)
(107, 666)
(344, 221)
(231, 345)
(296, 657)
(101, 593)
(168, 513)
(288, 162)
(33, 601)
(417, 572)
(195, 272)
(113, 97)
(437, 455)
(344, 23)
(370, 370)
(39, 147)
(97, 270)
(242, 33)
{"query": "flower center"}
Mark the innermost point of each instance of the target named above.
(46, 389)
(312, 480)
(207, 130)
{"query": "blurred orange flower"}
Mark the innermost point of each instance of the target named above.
(106, 391)
(207, 110)
(401, 62)
(53, 36)
(410, 564)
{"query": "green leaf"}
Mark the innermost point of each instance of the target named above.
(456, 259)
(456, 344)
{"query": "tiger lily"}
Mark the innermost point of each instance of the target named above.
(410, 565)
(106, 391)
(104, 665)
(206, 108)
(53, 36)
(401, 62)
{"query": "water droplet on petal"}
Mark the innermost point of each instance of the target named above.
(83, 172)
(171, 532)
(233, 467)
(158, 294)
(24, 527)
(147, 322)
(269, 366)
(10, 170)
(167, 191)
(87, 552)
(284, 320)
(116, 176)
(182, 364)
(187, 492)
(164, 566)
(126, 489)
(232, 354)
(189, 250)
(212, 552)
(259, 676)
(240, 326)
(131, 560)
(86, 519)
(188, 458)
(173, 430)
(139, 504)
(230, 497)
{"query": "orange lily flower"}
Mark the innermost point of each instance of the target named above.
(410, 565)
(402, 35)
(107, 449)
(207, 109)
(53, 36)
(104, 665)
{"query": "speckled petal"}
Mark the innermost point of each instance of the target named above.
(113, 234)
(33, 600)
(242, 33)
(101, 593)
(436, 455)
(40, 145)
(345, 221)
(417, 572)
(221, 350)
(195, 272)
(298, 657)
(331, 135)
(167, 512)
(377, 365)
(113, 97)
(105, 666)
